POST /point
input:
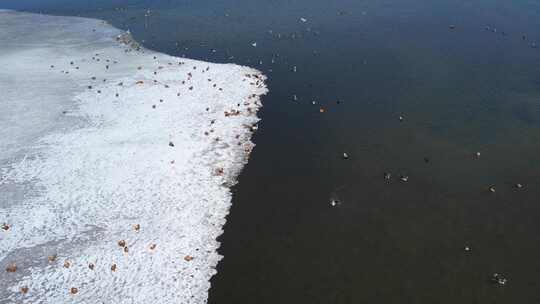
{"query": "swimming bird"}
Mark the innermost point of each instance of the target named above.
(497, 278)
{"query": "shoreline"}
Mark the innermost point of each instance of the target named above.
(136, 183)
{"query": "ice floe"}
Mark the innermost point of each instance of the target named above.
(115, 163)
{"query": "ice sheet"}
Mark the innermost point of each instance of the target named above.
(82, 168)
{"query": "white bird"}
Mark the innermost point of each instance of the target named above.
(254, 44)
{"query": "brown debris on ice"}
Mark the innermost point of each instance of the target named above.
(11, 267)
(232, 113)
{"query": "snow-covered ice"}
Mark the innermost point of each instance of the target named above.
(115, 163)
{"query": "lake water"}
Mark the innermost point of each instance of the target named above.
(464, 76)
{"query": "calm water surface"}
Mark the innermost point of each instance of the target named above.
(464, 79)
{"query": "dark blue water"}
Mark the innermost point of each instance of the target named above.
(465, 76)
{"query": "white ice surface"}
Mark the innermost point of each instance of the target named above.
(78, 168)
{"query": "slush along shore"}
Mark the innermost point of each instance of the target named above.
(115, 163)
